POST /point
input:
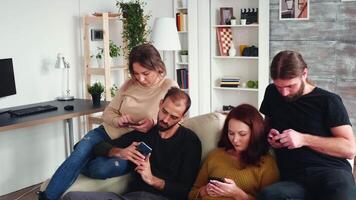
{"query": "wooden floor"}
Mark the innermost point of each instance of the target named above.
(28, 193)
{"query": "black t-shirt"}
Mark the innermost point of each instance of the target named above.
(314, 113)
(176, 159)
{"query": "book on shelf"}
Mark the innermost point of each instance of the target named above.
(182, 78)
(230, 82)
(181, 21)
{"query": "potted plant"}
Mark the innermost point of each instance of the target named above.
(233, 20)
(113, 90)
(99, 56)
(134, 20)
(114, 52)
(96, 90)
(184, 56)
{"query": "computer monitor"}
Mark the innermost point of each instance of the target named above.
(7, 79)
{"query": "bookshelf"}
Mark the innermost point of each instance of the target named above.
(186, 70)
(254, 68)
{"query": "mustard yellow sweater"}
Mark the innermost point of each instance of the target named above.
(251, 179)
(136, 100)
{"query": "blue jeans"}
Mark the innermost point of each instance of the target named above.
(70, 169)
(315, 184)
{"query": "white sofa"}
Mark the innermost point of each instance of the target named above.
(207, 127)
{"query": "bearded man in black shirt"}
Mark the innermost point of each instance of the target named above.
(311, 134)
(171, 168)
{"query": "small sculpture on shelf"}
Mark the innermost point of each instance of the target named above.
(250, 51)
(232, 50)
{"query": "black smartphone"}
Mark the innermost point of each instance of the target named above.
(132, 124)
(144, 149)
(210, 178)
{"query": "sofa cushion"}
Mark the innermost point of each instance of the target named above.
(83, 183)
(208, 128)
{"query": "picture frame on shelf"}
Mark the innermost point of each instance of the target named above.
(225, 15)
(224, 37)
(294, 9)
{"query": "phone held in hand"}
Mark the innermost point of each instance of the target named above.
(210, 178)
(144, 149)
(132, 124)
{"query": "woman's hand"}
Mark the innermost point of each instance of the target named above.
(125, 120)
(227, 189)
(144, 125)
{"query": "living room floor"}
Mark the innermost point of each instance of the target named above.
(28, 193)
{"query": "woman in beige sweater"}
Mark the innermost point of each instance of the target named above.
(135, 107)
(241, 167)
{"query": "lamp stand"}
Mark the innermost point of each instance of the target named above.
(66, 97)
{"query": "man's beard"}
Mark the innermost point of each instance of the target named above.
(296, 95)
(166, 127)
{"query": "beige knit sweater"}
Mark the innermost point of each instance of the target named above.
(250, 179)
(136, 100)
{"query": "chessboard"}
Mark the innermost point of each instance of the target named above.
(224, 40)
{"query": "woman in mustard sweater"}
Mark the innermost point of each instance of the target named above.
(134, 107)
(241, 166)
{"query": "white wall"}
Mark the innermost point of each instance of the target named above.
(32, 33)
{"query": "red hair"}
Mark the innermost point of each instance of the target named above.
(257, 146)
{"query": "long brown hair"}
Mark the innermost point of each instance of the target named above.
(287, 65)
(258, 143)
(148, 56)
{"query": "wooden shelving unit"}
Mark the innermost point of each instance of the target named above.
(106, 70)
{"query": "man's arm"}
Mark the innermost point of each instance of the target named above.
(342, 144)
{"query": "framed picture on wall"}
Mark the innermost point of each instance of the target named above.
(225, 15)
(294, 9)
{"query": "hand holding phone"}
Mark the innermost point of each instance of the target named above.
(210, 178)
(273, 132)
(131, 124)
(144, 149)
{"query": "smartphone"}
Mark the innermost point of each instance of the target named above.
(144, 149)
(132, 124)
(210, 178)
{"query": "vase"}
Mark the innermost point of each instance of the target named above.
(96, 99)
(232, 50)
(100, 62)
(184, 58)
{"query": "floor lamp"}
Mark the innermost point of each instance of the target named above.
(165, 35)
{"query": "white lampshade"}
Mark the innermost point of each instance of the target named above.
(61, 63)
(165, 35)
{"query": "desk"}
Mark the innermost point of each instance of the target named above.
(81, 107)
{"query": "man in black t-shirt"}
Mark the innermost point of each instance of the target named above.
(170, 170)
(311, 134)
